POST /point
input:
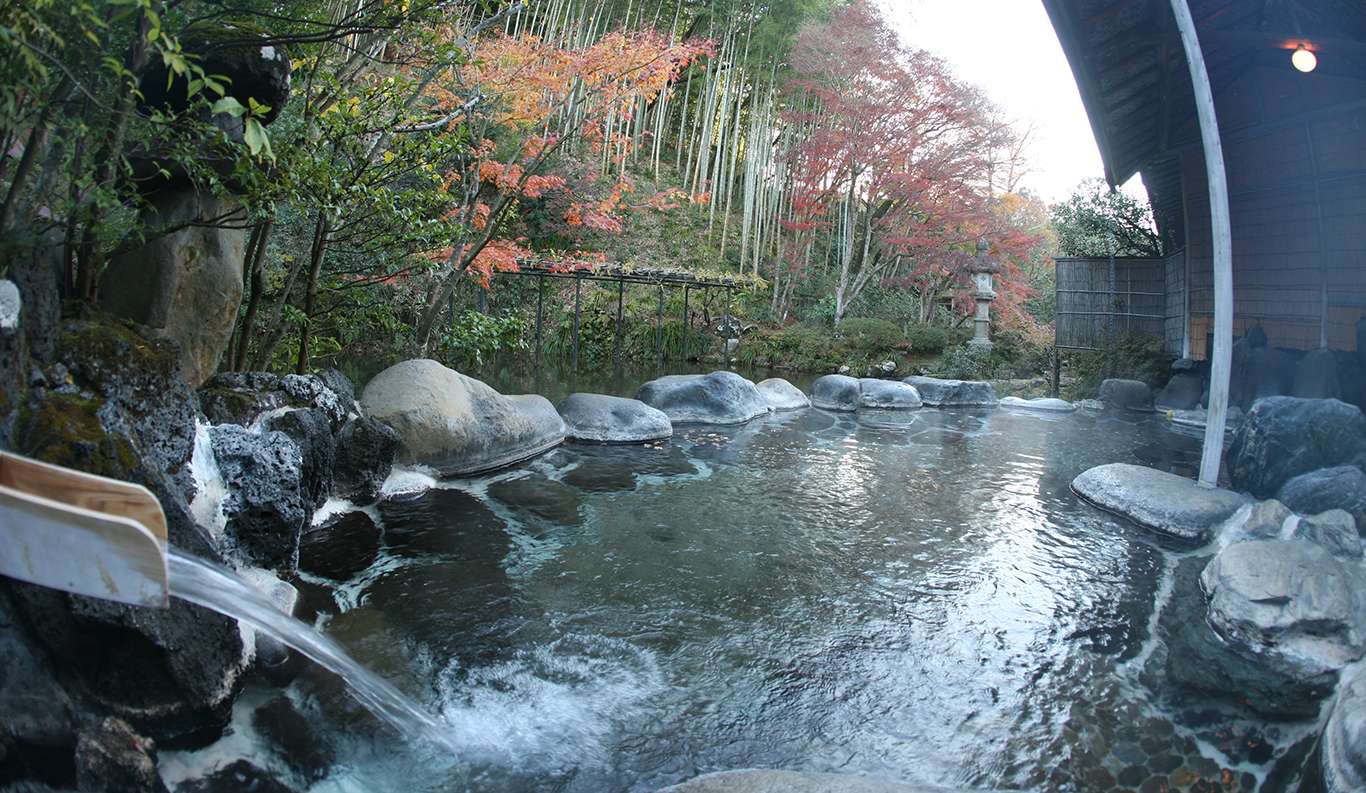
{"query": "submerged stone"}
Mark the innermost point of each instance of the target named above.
(599, 418)
(340, 547)
(1043, 404)
(456, 424)
(939, 392)
(541, 496)
(782, 395)
(294, 738)
(763, 780)
(716, 398)
(1163, 502)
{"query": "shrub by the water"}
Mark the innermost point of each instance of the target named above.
(1132, 356)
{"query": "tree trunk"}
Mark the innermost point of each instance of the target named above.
(256, 274)
(315, 266)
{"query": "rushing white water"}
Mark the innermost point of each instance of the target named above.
(213, 587)
(209, 488)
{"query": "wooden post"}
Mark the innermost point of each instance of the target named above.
(1222, 235)
(659, 330)
(540, 303)
(685, 322)
(578, 282)
(616, 352)
(1057, 373)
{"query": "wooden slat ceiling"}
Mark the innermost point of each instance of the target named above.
(1127, 59)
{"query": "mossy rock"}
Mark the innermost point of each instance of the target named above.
(66, 430)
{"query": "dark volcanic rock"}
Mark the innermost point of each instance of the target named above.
(112, 758)
(39, 718)
(1182, 392)
(294, 738)
(1316, 376)
(340, 547)
(266, 507)
(124, 412)
(342, 386)
(1342, 487)
(312, 433)
(241, 397)
(1284, 437)
(365, 456)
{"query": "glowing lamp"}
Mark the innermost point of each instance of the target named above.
(1304, 60)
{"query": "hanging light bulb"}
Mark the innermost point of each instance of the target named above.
(1304, 60)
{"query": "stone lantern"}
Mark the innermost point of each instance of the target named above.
(982, 270)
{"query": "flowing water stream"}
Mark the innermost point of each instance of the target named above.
(916, 596)
(213, 587)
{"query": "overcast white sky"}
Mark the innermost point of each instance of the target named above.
(1009, 49)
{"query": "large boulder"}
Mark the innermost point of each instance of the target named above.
(599, 418)
(267, 505)
(365, 455)
(953, 393)
(716, 398)
(1335, 531)
(186, 284)
(456, 424)
(1041, 404)
(312, 433)
(782, 395)
(1156, 500)
(1182, 392)
(1258, 372)
(1284, 437)
(40, 719)
(887, 395)
(1341, 487)
(836, 392)
(1258, 520)
(1316, 376)
(1126, 394)
(1289, 603)
(1342, 746)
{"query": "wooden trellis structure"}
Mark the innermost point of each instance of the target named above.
(1100, 297)
(661, 279)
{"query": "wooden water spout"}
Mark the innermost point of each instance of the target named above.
(81, 533)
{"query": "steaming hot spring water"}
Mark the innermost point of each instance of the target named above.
(916, 596)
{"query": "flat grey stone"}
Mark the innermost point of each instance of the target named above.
(782, 395)
(937, 392)
(599, 418)
(762, 780)
(1043, 404)
(887, 395)
(1163, 502)
(716, 398)
(836, 392)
